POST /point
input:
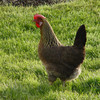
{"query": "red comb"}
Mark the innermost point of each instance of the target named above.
(37, 15)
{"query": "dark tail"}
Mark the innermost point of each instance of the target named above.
(80, 38)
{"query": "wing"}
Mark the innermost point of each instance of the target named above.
(62, 59)
(63, 55)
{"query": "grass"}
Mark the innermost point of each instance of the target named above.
(22, 75)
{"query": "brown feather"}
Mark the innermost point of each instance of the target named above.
(60, 61)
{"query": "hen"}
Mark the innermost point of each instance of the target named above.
(60, 61)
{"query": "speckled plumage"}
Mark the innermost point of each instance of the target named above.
(61, 61)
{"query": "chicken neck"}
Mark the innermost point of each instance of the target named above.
(48, 38)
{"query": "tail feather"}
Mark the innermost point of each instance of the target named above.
(80, 38)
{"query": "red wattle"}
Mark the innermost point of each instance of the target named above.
(37, 25)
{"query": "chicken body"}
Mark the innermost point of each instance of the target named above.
(61, 61)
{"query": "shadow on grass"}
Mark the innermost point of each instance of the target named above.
(91, 85)
(94, 67)
(36, 89)
(92, 53)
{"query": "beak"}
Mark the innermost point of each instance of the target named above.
(34, 20)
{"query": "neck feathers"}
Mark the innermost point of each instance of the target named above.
(48, 38)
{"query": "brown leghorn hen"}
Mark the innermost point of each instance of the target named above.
(60, 61)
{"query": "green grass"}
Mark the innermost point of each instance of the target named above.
(22, 75)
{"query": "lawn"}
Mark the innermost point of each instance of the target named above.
(22, 75)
